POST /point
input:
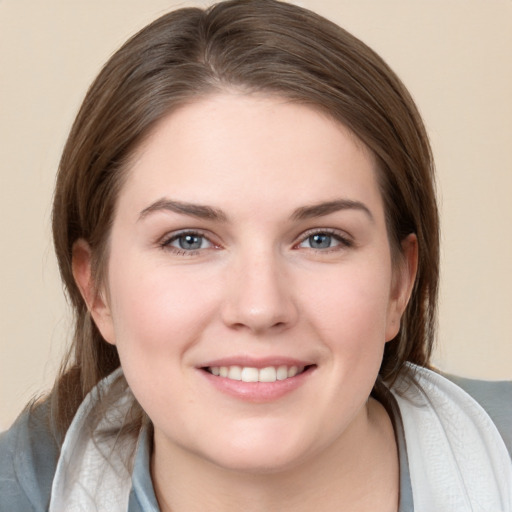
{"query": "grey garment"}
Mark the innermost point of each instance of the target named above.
(496, 398)
(29, 452)
(386, 398)
(28, 457)
(142, 497)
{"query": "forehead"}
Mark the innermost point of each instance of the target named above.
(267, 150)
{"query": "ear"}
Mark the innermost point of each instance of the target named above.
(404, 276)
(94, 298)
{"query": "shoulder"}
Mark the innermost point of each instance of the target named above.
(28, 453)
(495, 397)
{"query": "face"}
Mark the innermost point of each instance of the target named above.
(250, 285)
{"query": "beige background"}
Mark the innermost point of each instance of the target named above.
(454, 55)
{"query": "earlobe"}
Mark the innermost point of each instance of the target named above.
(403, 284)
(96, 303)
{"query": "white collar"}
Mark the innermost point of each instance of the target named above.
(94, 469)
(458, 460)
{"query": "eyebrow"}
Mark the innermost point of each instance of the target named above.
(326, 208)
(194, 210)
(211, 213)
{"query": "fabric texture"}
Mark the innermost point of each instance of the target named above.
(94, 468)
(463, 432)
(458, 460)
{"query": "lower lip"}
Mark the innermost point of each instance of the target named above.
(258, 392)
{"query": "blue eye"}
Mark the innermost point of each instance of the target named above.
(320, 241)
(188, 242)
(324, 240)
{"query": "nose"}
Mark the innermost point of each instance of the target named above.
(259, 295)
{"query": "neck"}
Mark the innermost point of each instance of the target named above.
(359, 473)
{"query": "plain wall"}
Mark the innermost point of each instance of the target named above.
(454, 55)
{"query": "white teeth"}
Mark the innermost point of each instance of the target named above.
(249, 374)
(282, 373)
(235, 373)
(268, 374)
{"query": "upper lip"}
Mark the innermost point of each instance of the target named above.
(256, 362)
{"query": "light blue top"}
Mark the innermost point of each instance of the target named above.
(29, 452)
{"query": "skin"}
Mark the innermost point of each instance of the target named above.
(258, 286)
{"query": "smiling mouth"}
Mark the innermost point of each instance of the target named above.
(250, 374)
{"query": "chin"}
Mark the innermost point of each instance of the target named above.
(260, 453)
(258, 462)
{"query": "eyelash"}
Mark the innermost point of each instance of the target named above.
(344, 241)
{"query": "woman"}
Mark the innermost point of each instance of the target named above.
(246, 225)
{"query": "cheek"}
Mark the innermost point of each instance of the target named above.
(351, 299)
(350, 311)
(158, 316)
(157, 309)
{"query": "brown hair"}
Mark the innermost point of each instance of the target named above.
(254, 46)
